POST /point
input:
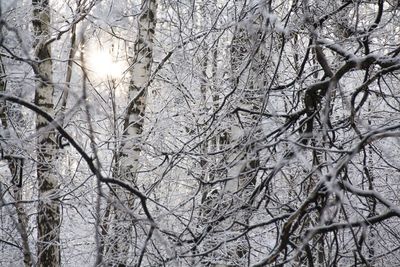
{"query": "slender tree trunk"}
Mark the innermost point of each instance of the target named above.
(15, 165)
(16, 168)
(242, 161)
(372, 203)
(62, 104)
(134, 120)
(48, 217)
(201, 23)
(131, 147)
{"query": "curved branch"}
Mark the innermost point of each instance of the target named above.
(337, 226)
(89, 160)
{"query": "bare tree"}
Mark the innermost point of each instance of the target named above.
(128, 160)
(255, 133)
(48, 218)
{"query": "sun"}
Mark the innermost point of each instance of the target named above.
(103, 65)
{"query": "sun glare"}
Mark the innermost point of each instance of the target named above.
(104, 66)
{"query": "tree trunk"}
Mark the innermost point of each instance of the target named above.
(141, 67)
(120, 241)
(242, 161)
(48, 217)
(15, 164)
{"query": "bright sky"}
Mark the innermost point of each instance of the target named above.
(102, 64)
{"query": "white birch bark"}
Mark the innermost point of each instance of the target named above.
(48, 217)
(120, 235)
(143, 57)
(242, 161)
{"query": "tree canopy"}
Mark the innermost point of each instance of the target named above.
(199, 133)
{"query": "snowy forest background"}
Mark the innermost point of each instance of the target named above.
(200, 133)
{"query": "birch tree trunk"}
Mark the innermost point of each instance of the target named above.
(48, 217)
(242, 160)
(134, 120)
(131, 146)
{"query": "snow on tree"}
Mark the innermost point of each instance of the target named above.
(199, 133)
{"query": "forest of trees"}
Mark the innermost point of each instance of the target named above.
(212, 133)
